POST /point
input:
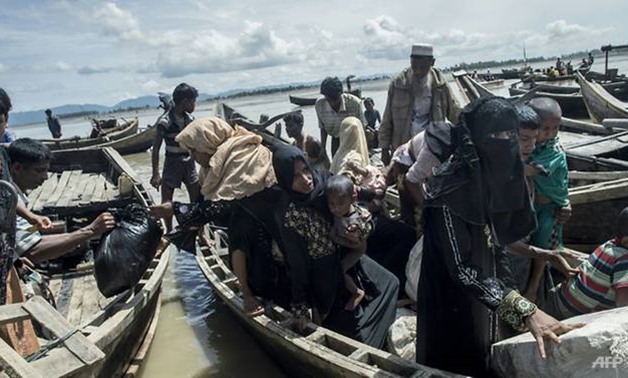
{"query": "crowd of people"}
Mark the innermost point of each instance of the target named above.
(482, 189)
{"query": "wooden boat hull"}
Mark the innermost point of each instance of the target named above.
(572, 105)
(600, 103)
(120, 327)
(302, 101)
(125, 130)
(318, 353)
(132, 144)
(309, 101)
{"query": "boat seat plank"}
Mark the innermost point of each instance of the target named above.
(59, 189)
(33, 196)
(80, 189)
(76, 301)
(86, 197)
(70, 188)
(78, 344)
(99, 190)
(92, 299)
(46, 189)
(11, 313)
(14, 365)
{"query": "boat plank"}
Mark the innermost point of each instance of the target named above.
(78, 344)
(75, 309)
(71, 187)
(89, 188)
(14, 365)
(46, 189)
(12, 313)
(99, 190)
(59, 189)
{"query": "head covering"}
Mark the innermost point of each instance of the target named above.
(284, 157)
(483, 182)
(239, 166)
(422, 49)
(352, 145)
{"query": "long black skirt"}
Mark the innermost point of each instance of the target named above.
(370, 321)
(389, 244)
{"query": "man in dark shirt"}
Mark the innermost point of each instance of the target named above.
(178, 165)
(53, 124)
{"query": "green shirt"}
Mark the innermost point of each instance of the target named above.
(554, 183)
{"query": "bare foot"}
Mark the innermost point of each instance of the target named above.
(355, 300)
(252, 306)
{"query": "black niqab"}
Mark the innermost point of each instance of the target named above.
(483, 182)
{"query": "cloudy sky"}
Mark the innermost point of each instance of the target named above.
(58, 52)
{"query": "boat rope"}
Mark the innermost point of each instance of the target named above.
(51, 345)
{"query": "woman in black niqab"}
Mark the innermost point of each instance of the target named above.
(476, 203)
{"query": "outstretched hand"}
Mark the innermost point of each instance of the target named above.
(165, 210)
(543, 326)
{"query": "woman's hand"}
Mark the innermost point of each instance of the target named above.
(559, 263)
(543, 326)
(303, 320)
(252, 306)
(165, 210)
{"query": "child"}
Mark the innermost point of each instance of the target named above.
(179, 167)
(373, 119)
(548, 167)
(352, 225)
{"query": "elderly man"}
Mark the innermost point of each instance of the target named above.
(417, 96)
(332, 108)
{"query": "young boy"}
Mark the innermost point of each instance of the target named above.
(178, 166)
(352, 226)
(311, 146)
(601, 282)
(547, 165)
(373, 120)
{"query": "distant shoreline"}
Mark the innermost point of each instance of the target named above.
(75, 116)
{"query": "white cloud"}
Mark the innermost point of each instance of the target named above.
(118, 22)
(3, 68)
(62, 66)
(391, 41)
(151, 86)
(257, 46)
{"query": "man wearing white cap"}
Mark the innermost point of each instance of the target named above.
(417, 96)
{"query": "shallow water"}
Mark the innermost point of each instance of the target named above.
(196, 334)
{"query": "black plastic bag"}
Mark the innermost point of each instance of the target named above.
(125, 252)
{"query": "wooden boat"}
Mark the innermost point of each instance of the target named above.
(97, 337)
(132, 144)
(599, 102)
(302, 101)
(571, 104)
(125, 129)
(317, 353)
(309, 101)
(469, 90)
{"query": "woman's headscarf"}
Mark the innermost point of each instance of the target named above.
(484, 181)
(239, 166)
(352, 145)
(284, 157)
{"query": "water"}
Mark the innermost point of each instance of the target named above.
(196, 335)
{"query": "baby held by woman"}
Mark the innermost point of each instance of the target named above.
(352, 225)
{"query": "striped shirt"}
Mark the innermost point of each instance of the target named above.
(329, 119)
(593, 289)
(168, 127)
